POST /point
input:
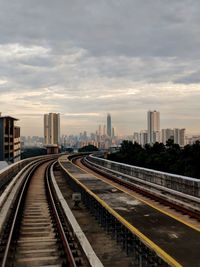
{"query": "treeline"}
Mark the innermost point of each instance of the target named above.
(170, 158)
(88, 148)
(29, 152)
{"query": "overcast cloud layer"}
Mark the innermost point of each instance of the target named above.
(84, 58)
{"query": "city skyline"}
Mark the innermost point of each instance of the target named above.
(138, 56)
(103, 124)
(104, 138)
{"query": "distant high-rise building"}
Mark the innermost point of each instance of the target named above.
(109, 126)
(167, 134)
(153, 126)
(10, 148)
(189, 140)
(136, 137)
(85, 135)
(52, 129)
(143, 138)
(176, 134)
(104, 130)
(179, 136)
(113, 132)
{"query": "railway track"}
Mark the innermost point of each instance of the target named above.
(37, 232)
(8, 174)
(165, 199)
(105, 247)
(131, 218)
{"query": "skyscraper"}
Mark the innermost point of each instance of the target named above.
(179, 136)
(52, 129)
(153, 126)
(104, 130)
(176, 134)
(109, 126)
(167, 134)
(143, 137)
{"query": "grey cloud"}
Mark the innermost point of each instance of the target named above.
(84, 55)
(124, 27)
(189, 78)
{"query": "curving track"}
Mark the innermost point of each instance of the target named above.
(166, 199)
(173, 234)
(37, 233)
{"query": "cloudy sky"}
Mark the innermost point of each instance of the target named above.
(85, 58)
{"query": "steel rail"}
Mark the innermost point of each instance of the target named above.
(5, 256)
(75, 228)
(69, 257)
(8, 173)
(5, 194)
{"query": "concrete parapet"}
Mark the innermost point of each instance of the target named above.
(184, 184)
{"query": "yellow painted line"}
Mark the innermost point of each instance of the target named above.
(196, 228)
(166, 257)
(63, 158)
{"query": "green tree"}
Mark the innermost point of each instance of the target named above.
(89, 148)
(170, 158)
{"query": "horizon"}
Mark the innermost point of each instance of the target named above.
(94, 128)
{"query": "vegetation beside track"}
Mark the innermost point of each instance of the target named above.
(89, 148)
(170, 158)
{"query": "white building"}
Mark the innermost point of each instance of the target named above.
(176, 134)
(153, 126)
(52, 129)
(136, 137)
(143, 138)
(189, 140)
(179, 136)
(167, 134)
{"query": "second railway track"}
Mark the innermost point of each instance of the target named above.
(164, 228)
(190, 210)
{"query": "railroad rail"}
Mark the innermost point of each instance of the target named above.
(8, 173)
(185, 203)
(8, 196)
(105, 247)
(76, 230)
(35, 230)
(152, 236)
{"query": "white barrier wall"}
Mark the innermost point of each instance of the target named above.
(9, 172)
(184, 184)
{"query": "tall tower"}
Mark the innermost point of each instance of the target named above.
(109, 127)
(179, 136)
(167, 134)
(52, 129)
(104, 130)
(153, 126)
